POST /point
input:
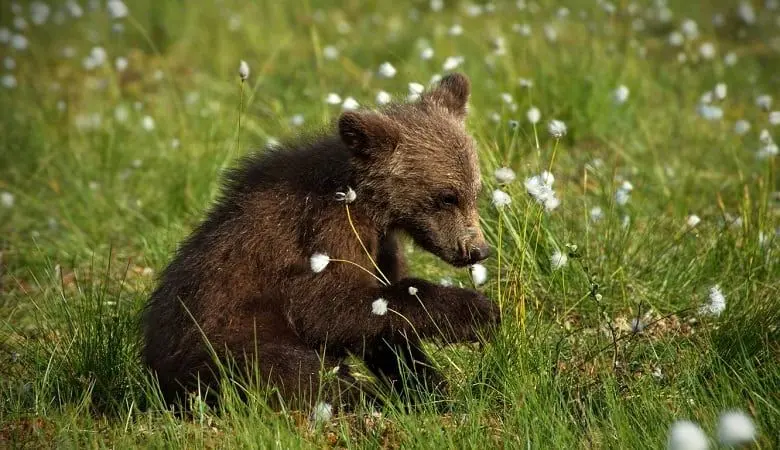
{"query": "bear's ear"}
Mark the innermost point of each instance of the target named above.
(452, 93)
(367, 133)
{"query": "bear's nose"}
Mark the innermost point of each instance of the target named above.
(479, 253)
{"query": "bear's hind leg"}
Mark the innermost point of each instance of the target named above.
(406, 369)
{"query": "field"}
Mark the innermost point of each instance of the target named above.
(650, 294)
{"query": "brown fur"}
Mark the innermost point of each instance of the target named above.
(244, 274)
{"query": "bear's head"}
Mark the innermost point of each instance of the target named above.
(416, 168)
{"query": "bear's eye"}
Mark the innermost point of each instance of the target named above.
(448, 198)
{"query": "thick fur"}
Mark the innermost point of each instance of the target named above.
(243, 278)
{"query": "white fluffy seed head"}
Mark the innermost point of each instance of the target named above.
(620, 95)
(243, 70)
(412, 290)
(347, 197)
(534, 115)
(735, 428)
(379, 307)
(350, 104)
(478, 274)
(333, 99)
(504, 175)
(717, 302)
(686, 435)
(382, 98)
(386, 70)
(558, 260)
(501, 198)
(318, 262)
(322, 412)
(556, 128)
(692, 220)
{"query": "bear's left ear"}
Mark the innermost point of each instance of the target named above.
(452, 93)
(368, 133)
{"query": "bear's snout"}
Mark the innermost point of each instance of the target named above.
(479, 252)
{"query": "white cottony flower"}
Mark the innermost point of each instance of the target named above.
(455, 30)
(478, 274)
(322, 412)
(415, 89)
(741, 126)
(350, 104)
(20, 23)
(717, 302)
(501, 198)
(117, 9)
(386, 70)
(426, 53)
(333, 99)
(74, 9)
(412, 290)
(686, 435)
(746, 12)
(39, 12)
(513, 124)
(556, 128)
(7, 199)
(765, 138)
(147, 123)
(558, 260)
(596, 213)
(383, 98)
(8, 81)
(5, 35)
(721, 90)
(506, 97)
(735, 428)
(540, 188)
(379, 307)
(504, 175)
(774, 118)
(690, 28)
(622, 196)
(121, 64)
(730, 59)
(533, 115)
(550, 33)
(346, 197)
(764, 102)
(297, 120)
(710, 112)
(676, 39)
(525, 83)
(243, 70)
(452, 63)
(692, 220)
(620, 95)
(330, 52)
(18, 42)
(436, 5)
(707, 50)
(318, 262)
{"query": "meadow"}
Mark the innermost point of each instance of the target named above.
(636, 256)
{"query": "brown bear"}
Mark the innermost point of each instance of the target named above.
(256, 279)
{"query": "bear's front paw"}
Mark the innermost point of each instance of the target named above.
(472, 315)
(484, 311)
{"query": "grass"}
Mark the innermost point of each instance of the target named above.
(100, 203)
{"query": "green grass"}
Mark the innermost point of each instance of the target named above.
(100, 204)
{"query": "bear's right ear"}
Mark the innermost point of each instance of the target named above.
(452, 93)
(366, 133)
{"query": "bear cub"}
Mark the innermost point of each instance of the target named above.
(271, 275)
